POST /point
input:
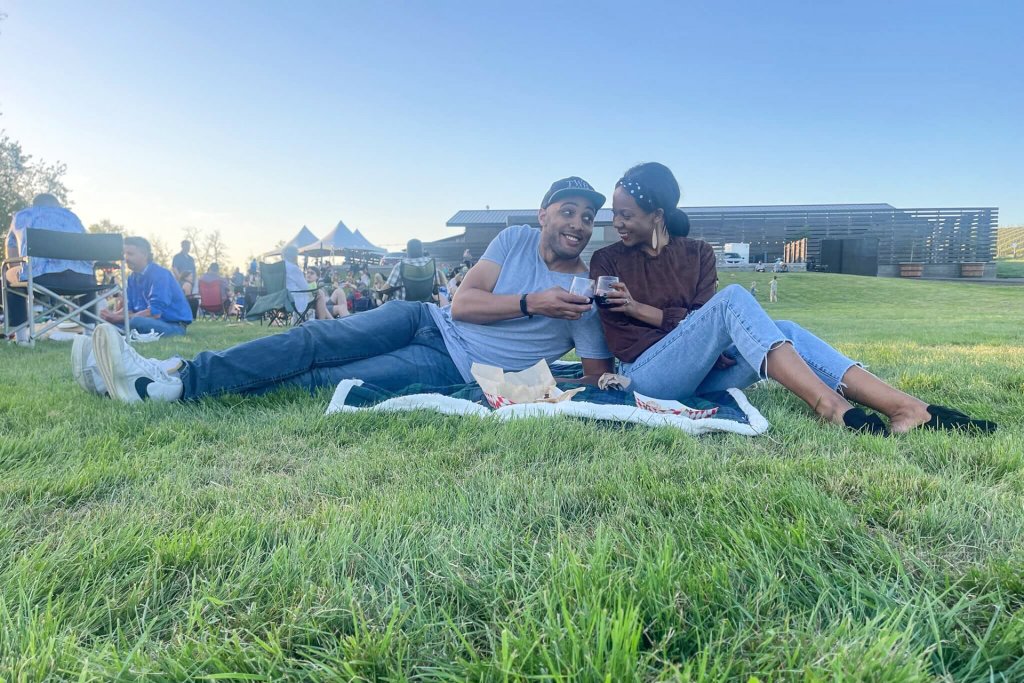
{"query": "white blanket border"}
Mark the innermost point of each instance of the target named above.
(594, 411)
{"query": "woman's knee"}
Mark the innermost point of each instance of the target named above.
(732, 291)
(738, 295)
(742, 300)
(789, 328)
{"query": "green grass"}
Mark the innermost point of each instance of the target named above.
(257, 539)
(1010, 268)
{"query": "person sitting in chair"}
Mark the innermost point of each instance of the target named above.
(377, 288)
(334, 305)
(212, 275)
(46, 213)
(413, 257)
(296, 281)
(155, 301)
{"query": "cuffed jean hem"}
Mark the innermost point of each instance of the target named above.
(834, 383)
(826, 362)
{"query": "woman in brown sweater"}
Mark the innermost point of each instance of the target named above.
(675, 337)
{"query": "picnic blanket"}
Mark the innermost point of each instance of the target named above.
(727, 411)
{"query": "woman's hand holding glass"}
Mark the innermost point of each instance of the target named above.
(620, 300)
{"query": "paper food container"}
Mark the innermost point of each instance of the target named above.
(532, 385)
(665, 407)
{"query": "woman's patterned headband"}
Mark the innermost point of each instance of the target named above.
(643, 198)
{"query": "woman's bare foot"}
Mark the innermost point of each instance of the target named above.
(910, 414)
(831, 407)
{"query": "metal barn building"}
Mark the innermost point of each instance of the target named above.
(939, 238)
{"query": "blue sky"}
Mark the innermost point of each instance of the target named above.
(257, 118)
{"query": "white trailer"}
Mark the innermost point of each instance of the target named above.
(736, 254)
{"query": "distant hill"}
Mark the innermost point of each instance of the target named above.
(1006, 238)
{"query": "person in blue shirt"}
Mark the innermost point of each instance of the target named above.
(155, 300)
(182, 264)
(45, 213)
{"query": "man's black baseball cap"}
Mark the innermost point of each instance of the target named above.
(575, 187)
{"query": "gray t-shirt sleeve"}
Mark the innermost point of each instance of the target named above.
(500, 247)
(588, 337)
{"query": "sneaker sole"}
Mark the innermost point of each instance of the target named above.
(80, 348)
(106, 347)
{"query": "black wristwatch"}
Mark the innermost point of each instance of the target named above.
(522, 307)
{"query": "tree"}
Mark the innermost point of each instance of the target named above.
(106, 226)
(161, 252)
(215, 249)
(193, 235)
(21, 179)
(207, 247)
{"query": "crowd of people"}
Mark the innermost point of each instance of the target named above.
(660, 321)
(320, 290)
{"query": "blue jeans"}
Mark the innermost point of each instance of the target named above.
(732, 322)
(165, 328)
(391, 347)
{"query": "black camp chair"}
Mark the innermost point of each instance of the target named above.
(418, 281)
(276, 304)
(63, 303)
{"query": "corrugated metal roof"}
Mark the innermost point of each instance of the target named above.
(501, 216)
(483, 217)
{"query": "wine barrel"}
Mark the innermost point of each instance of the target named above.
(973, 269)
(911, 269)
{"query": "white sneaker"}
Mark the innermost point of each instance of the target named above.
(145, 337)
(83, 366)
(130, 377)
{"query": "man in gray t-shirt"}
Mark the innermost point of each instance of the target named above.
(486, 324)
(513, 309)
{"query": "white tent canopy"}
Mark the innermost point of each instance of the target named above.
(338, 240)
(363, 243)
(303, 238)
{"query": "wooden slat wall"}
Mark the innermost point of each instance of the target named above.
(926, 235)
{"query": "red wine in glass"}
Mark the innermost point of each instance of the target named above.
(604, 287)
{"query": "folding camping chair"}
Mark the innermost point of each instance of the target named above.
(53, 244)
(210, 299)
(276, 303)
(418, 281)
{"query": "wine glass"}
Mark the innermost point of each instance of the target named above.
(584, 287)
(604, 286)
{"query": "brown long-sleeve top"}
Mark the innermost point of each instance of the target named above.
(679, 279)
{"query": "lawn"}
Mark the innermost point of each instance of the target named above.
(257, 539)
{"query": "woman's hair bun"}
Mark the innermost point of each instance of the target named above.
(677, 222)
